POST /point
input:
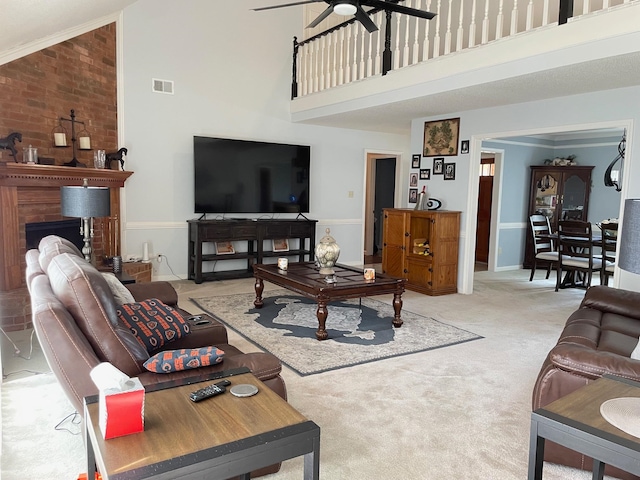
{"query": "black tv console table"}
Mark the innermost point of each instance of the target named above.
(254, 233)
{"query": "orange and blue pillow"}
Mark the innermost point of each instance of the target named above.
(153, 323)
(184, 359)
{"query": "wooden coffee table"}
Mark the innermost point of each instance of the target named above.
(220, 437)
(305, 279)
(575, 422)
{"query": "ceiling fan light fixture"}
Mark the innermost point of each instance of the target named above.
(344, 9)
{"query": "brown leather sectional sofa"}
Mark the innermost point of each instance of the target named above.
(74, 316)
(597, 339)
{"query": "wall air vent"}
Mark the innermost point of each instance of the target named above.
(162, 86)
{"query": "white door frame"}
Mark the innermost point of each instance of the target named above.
(465, 278)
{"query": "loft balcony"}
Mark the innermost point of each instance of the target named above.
(473, 54)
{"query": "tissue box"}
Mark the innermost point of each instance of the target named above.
(122, 412)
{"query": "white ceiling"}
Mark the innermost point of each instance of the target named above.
(44, 18)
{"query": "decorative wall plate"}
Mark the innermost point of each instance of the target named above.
(433, 204)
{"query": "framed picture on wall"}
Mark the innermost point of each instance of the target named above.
(413, 195)
(425, 174)
(438, 166)
(415, 161)
(413, 180)
(449, 171)
(441, 137)
(464, 146)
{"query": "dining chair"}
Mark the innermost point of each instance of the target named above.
(608, 246)
(543, 247)
(576, 259)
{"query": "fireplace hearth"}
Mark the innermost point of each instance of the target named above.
(69, 229)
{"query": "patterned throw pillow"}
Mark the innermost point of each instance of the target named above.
(184, 359)
(153, 323)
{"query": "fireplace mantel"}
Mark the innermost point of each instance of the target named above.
(31, 193)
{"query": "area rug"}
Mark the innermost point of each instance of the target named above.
(360, 331)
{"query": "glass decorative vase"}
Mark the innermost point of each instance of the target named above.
(327, 253)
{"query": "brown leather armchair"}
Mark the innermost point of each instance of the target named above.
(597, 339)
(74, 316)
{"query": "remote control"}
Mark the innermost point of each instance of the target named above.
(210, 391)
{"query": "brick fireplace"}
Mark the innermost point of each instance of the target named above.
(31, 194)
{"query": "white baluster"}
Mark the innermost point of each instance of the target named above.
(347, 49)
(460, 33)
(396, 53)
(416, 45)
(321, 63)
(342, 60)
(379, 40)
(372, 38)
(529, 15)
(485, 22)
(361, 72)
(405, 51)
(500, 20)
(447, 35)
(472, 26)
(425, 44)
(436, 37)
(545, 12)
(586, 6)
(328, 62)
(514, 18)
(316, 67)
(334, 73)
(304, 59)
(605, 5)
(354, 65)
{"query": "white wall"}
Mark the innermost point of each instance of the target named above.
(619, 107)
(229, 82)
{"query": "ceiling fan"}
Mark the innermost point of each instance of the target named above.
(354, 7)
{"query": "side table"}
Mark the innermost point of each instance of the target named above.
(220, 437)
(575, 422)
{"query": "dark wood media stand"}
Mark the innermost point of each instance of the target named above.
(253, 233)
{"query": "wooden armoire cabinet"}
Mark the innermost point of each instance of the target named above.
(422, 246)
(560, 193)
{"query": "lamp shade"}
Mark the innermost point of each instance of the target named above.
(629, 241)
(85, 202)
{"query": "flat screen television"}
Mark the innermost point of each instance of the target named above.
(244, 176)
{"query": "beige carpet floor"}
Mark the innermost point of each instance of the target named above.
(460, 412)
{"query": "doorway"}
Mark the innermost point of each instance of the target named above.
(485, 196)
(380, 193)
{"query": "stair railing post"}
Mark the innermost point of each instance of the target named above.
(294, 81)
(566, 11)
(386, 55)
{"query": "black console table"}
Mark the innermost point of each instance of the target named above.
(253, 233)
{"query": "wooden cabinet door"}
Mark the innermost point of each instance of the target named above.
(394, 240)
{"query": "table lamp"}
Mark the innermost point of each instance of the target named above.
(85, 202)
(623, 412)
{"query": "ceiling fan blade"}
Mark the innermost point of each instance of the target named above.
(393, 7)
(321, 17)
(286, 5)
(364, 19)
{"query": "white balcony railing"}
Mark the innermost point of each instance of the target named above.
(347, 52)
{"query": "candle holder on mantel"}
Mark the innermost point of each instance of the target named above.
(60, 138)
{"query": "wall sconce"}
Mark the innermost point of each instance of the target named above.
(60, 138)
(611, 176)
(87, 203)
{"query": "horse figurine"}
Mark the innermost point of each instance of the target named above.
(8, 143)
(110, 157)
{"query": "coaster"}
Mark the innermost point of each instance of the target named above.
(623, 413)
(244, 390)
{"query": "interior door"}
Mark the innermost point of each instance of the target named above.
(485, 198)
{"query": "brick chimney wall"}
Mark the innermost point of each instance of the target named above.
(36, 90)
